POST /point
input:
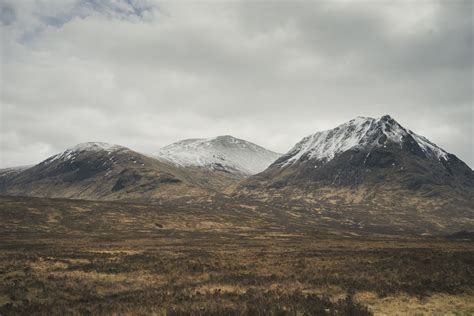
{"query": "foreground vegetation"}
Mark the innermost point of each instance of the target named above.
(74, 257)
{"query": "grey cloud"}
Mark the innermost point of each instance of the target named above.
(7, 14)
(144, 74)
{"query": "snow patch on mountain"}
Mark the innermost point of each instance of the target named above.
(96, 146)
(361, 132)
(429, 147)
(71, 153)
(222, 153)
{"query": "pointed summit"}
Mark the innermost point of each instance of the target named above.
(373, 168)
(386, 118)
(363, 134)
(367, 152)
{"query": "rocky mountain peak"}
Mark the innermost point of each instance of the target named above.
(362, 133)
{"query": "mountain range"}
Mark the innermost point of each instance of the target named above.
(95, 170)
(364, 171)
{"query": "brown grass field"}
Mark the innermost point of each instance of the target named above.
(61, 257)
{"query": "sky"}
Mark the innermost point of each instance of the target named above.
(144, 74)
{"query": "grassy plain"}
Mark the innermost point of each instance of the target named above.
(83, 257)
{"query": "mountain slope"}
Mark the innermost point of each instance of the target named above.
(101, 171)
(370, 171)
(367, 151)
(224, 154)
(7, 173)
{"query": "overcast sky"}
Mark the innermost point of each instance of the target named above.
(144, 74)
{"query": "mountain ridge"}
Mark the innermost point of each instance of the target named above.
(104, 171)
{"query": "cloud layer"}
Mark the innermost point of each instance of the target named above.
(144, 73)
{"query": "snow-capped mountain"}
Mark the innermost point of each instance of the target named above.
(360, 133)
(96, 170)
(366, 171)
(367, 152)
(222, 153)
(99, 171)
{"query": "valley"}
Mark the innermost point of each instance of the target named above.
(62, 256)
